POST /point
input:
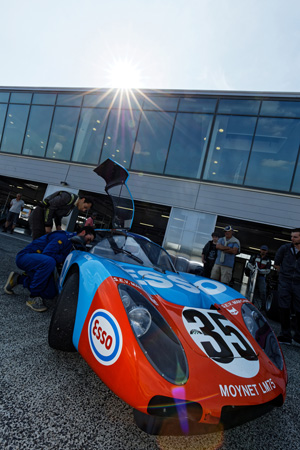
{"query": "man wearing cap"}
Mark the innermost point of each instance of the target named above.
(263, 264)
(228, 247)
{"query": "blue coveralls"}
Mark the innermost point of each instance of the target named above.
(38, 260)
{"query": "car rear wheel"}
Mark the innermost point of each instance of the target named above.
(272, 308)
(63, 318)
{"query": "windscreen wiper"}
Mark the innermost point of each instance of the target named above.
(117, 249)
(131, 255)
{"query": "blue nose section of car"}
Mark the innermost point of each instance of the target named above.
(181, 288)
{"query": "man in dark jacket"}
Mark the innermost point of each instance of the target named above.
(54, 208)
(39, 259)
(209, 254)
(287, 262)
(263, 264)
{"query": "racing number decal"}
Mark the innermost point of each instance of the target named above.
(105, 337)
(222, 341)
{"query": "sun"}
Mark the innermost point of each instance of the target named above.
(125, 75)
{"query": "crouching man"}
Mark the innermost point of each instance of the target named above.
(39, 259)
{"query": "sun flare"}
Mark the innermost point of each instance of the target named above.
(124, 75)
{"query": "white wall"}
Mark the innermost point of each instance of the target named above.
(273, 209)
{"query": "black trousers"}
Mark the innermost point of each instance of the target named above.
(37, 222)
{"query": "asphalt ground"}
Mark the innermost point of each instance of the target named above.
(53, 400)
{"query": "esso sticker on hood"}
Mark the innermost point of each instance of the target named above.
(221, 341)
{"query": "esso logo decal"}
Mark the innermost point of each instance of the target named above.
(105, 337)
(221, 341)
(159, 281)
(210, 287)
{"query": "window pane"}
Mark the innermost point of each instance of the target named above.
(278, 108)
(274, 153)
(38, 130)
(3, 109)
(227, 106)
(14, 128)
(128, 100)
(90, 135)
(296, 184)
(198, 104)
(229, 149)
(120, 136)
(19, 97)
(4, 97)
(152, 144)
(188, 145)
(62, 133)
(44, 99)
(95, 100)
(69, 99)
(160, 103)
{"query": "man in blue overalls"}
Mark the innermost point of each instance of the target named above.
(39, 259)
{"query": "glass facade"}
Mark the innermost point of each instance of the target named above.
(249, 140)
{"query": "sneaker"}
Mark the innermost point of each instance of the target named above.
(36, 304)
(12, 281)
(284, 339)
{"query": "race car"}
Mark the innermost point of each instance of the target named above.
(186, 352)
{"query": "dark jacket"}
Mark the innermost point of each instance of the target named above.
(263, 264)
(289, 263)
(209, 251)
(57, 206)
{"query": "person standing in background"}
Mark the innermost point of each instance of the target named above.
(287, 262)
(16, 206)
(263, 264)
(228, 247)
(209, 254)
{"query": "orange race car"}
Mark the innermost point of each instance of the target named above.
(189, 354)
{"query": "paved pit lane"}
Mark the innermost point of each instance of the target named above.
(53, 400)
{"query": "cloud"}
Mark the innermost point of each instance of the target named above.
(273, 163)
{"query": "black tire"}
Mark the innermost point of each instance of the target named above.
(63, 318)
(272, 308)
(147, 423)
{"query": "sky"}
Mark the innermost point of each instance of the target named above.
(235, 45)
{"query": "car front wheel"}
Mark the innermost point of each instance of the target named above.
(63, 318)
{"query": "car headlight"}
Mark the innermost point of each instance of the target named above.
(260, 329)
(157, 340)
(140, 320)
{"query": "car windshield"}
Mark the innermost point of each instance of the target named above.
(134, 250)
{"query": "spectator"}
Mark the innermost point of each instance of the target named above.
(228, 247)
(39, 260)
(54, 208)
(90, 221)
(16, 206)
(287, 262)
(263, 264)
(209, 254)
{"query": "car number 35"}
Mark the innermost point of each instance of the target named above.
(221, 340)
